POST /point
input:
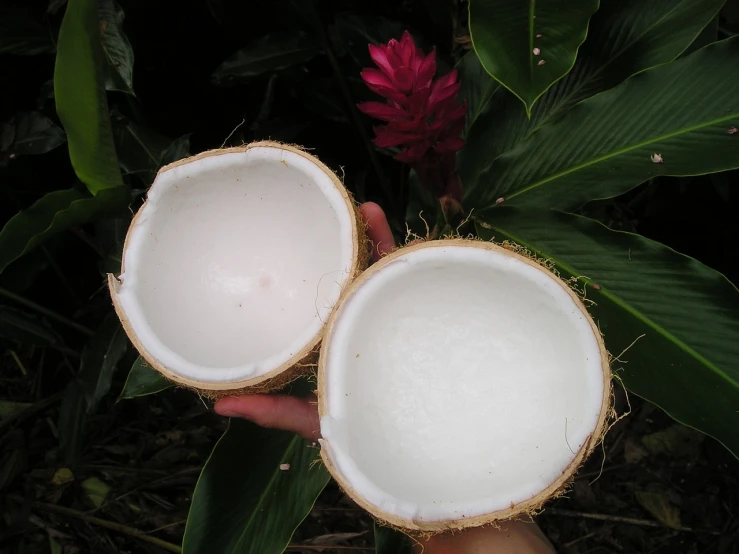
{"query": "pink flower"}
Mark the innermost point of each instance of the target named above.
(421, 114)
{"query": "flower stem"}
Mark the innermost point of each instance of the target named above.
(352, 106)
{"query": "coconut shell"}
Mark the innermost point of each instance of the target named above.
(527, 507)
(304, 360)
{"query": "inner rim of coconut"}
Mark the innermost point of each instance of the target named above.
(458, 380)
(235, 262)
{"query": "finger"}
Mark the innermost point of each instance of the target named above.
(299, 415)
(511, 536)
(378, 230)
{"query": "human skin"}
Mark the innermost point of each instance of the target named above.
(300, 415)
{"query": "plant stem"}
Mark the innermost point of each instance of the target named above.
(19, 362)
(47, 312)
(112, 525)
(351, 105)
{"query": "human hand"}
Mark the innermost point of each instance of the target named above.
(300, 415)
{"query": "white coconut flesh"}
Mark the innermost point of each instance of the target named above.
(235, 262)
(458, 380)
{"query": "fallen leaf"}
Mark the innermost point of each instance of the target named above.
(633, 451)
(62, 476)
(333, 538)
(8, 407)
(659, 505)
(96, 490)
(677, 440)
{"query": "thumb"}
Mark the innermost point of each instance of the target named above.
(290, 413)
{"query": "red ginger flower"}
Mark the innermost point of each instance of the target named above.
(422, 114)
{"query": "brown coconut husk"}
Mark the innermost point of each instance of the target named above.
(304, 360)
(528, 507)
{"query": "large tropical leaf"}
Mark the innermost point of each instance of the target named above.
(79, 89)
(244, 503)
(708, 35)
(687, 315)
(627, 37)
(117, 49)
(683, 111)
(527, 46)
(144, 380)
(477, 87)
(624, 38)
(270, 53)
(52, 214)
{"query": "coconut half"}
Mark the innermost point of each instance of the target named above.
(460, 383)
(233, 265)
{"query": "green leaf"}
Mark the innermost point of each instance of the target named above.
(528, 46)
(142, 151)
(96, 489)
(476, 87)
(10, 407)
(268, 54)
(54, 546)
(359, 30)
(423, 213)
(659, 505)
(319, 96)
(243, 502)
(624, 38)
(677, 441)
(72, 422)
(117, 49)
(33, 133)
(22, 273)
(604, 147)
(100, 360)
(52, 214)
(179, 148)
(391, 541)
(708, 35)
(21, 34)
(627, 37)
(110, 235)
(144, 380)
(687, 361)
(352, 33)
(79, 89)
(29, 329)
